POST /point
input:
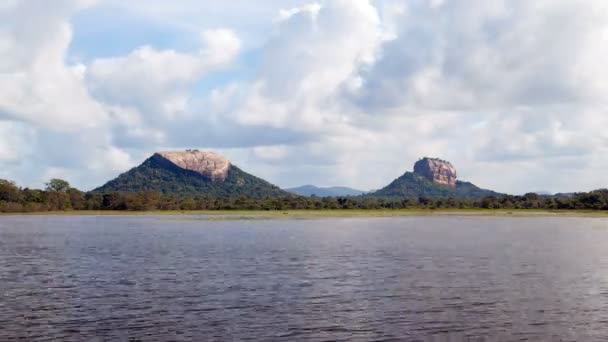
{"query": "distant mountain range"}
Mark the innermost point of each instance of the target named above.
(334, 191)
(197, 173)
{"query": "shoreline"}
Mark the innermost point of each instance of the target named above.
(338, 213)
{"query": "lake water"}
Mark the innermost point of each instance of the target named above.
(382, 279)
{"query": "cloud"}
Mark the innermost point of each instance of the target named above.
(37, 86)
(523, 78)
(330, 92)
(149, 94)
(467, 56)
(304, 69)
(15, 141)
(159, 81)
(50, 118)
(276, 152)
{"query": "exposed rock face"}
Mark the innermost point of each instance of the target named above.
(436, 170)
(207, 164)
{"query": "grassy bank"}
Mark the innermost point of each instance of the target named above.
(354, 213)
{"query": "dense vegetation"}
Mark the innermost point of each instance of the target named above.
(413, 185)
(160, 175)
(59, 196)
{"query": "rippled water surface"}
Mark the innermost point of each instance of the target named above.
(395, 279)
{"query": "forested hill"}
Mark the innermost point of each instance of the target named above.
(413, 185)
(160, 174)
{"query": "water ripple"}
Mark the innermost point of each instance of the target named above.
(401, 279)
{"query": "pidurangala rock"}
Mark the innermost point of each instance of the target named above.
(191, 173)
(208, 164)
(437, 171)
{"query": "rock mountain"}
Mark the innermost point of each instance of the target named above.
(191, 172)
(432, 177)
(208, 164)
(197, 173)
(437, 171)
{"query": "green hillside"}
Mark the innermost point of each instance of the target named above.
(159, 174)
(413, 185)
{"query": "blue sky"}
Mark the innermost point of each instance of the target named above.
(334, 92)
(106, 32)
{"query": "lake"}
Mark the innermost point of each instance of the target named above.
(162, 278)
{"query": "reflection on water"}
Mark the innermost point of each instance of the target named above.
(159, 279)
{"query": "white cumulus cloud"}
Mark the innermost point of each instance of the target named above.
(332, 92)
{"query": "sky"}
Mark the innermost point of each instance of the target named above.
(334, 92)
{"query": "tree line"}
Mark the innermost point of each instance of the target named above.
(58, 195)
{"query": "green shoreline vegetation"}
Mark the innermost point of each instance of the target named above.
(59, 196)
(329, 213)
